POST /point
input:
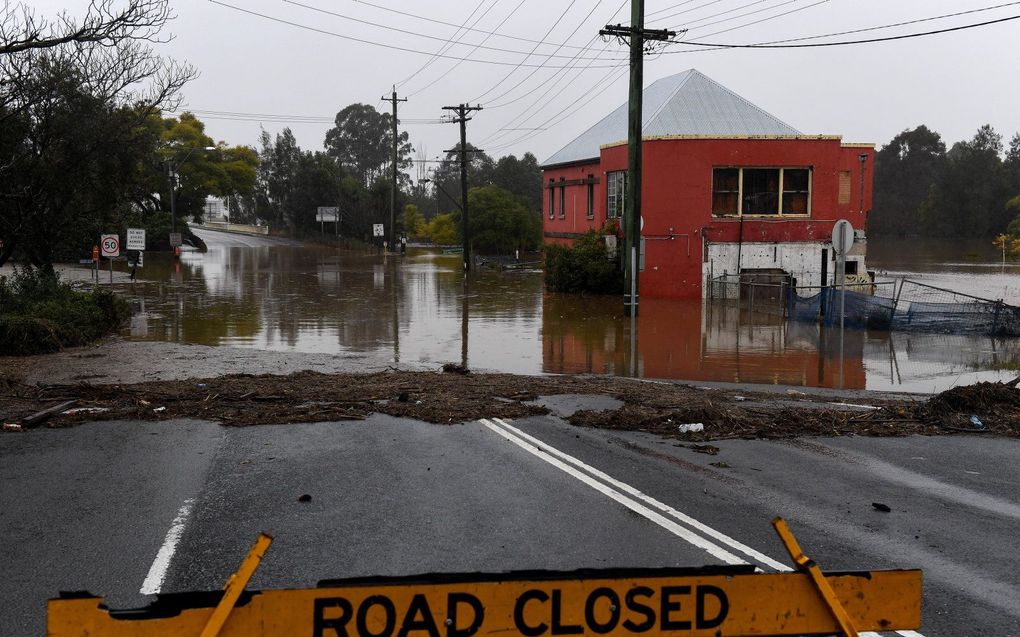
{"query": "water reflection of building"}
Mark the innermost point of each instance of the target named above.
(727, 189)
(691, 340)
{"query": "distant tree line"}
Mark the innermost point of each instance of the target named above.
(970, 191)
(88, 146)
(353, 173)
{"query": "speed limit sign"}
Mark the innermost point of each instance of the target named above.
(110, 245)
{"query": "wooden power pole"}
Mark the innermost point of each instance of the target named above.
(462, 118)
(393, 186)
(637, 34)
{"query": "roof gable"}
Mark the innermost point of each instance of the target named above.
(688, 103)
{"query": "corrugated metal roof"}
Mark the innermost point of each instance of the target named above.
(688, 103)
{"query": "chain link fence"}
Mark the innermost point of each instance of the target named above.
(902, 305)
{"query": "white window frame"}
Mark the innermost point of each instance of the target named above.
(612, 197)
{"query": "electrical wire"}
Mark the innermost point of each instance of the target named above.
(889, 26)
(447, 42)
(380, 44)
(734, 17)
(452, 24)
(535, 70)
(471, 52)
(849, 42)
(521, 63)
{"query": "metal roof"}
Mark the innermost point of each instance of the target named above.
(688, 103)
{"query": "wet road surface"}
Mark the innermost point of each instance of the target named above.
(116, 508)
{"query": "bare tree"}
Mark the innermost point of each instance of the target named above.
(104, 24)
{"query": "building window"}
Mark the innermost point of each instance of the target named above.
(591, 196)
(725, 191)
(616, 194)
(552, 200)
(563, 199)
(796, 191)
(761, 191)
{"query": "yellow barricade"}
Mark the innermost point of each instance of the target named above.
(706, 602)
(702, 602)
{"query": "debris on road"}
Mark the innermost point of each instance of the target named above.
(449, 398)
(884, 508)
(304, 497)
(40, 417)
(691, 427)
(13, 426)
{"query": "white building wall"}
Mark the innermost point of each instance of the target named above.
(799, 259)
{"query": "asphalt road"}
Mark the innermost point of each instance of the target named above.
(219, 239)
(99, 506)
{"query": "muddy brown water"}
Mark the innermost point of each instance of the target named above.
(419, 311)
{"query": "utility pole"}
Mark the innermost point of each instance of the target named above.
(637, 34)
(393, 187)
(462, 118)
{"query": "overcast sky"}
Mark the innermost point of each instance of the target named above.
(264, 69)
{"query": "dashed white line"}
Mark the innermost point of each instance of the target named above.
(157, 572)
(560, 460)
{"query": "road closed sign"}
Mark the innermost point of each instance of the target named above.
(703, 602)
(109, 245)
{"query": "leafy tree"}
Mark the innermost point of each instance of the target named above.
(969, 194)
(413, 221)
(442, 230)
(500, 223)
(905, 169)
(77, 126)
(278, 164)
(522, 177)
(362, 142)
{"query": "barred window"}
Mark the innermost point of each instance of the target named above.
(552, 200)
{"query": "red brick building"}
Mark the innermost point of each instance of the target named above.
(728, 188)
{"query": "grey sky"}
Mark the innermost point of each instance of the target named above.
(952, 82)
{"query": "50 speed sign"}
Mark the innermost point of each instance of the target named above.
(110, 245)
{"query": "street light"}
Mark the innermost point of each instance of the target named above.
(171, 173)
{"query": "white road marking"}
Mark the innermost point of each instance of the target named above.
(157, 572)
(550, 454)
(757, 556)
(714, 550)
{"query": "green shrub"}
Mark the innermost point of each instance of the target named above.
(583, 267)
(39, 313)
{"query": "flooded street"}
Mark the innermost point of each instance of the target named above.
(419, 312)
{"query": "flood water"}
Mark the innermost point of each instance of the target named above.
(420, 311)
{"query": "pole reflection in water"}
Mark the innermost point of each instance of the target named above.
(422, 311)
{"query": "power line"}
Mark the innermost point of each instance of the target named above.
(471, 52)
(700, 6)
(452, 24)
(535, 70)
(380, 44)
(848, 42)
(889, 26)
(691, 24)
(447, 43)
(759, 21)
(521, 63)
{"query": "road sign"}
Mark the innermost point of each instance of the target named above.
(842, 236)
(695, 602)
(136, 238)
(110, 245)
(378, 230)
(327, 214)
(175, 239)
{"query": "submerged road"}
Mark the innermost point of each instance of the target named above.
(221, 239)
(127, 509)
